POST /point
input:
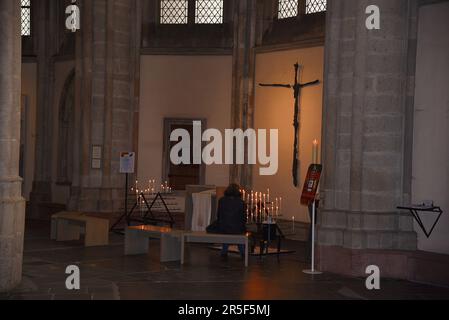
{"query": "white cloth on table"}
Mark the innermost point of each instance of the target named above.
(202, 210)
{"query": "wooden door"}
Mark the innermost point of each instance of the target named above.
(179, 176)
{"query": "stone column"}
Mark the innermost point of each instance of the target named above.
(41, 192)
(106, 82)
(12, 205)
(244, 57)
(369, 80)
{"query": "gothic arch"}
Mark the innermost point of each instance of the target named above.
(66, 125)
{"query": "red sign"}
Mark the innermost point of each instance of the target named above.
(311, 184)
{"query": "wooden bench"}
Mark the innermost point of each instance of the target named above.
(204, 237)
(137, 241)
(68, 226)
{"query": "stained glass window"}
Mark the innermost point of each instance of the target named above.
(287, 9)
(26, 17)
(209, 11)
(313, 6)
(174, 11)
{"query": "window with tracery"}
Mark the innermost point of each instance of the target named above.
(174, 11)
(209, 11)
(25, 17)
(314, 6)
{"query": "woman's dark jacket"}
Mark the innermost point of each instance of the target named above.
(231, 215)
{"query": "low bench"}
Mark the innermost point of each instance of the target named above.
(204, 237)
(137, 241)
(67, 226)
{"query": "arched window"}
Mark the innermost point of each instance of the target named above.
(25, 17)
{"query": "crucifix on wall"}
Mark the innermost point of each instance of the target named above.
(296, 122)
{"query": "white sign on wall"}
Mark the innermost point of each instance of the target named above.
(127, 162)
(96, 157)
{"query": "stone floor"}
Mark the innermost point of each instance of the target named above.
(107, 274)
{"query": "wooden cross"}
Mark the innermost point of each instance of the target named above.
(296, 93)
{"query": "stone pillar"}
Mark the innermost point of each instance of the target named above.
(12, 205)
(244, 57)
(41, 192)
(369, 80)
(106, 67)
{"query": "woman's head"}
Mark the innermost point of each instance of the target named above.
(233, 191)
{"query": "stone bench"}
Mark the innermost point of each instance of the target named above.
(137, 241)
(68, 226)
(204, 237)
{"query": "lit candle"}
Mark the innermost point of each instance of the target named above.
(256, 212)
(268, 195)
(252, 200)
(315, 152)
(293, 224)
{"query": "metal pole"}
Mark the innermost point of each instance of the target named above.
(126, 199)
(313, 235)
(312, 269)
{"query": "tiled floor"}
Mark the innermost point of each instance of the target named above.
(107, 274)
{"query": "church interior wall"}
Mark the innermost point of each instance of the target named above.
(274, 110)
(431, 132)
(188, 87)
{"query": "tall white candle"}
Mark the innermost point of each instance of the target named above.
(315, 152)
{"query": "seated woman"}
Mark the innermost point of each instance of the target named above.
(231, 216)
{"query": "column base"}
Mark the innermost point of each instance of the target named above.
(103, 200)
(12, 229)
(418, 266)
(40, 199)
